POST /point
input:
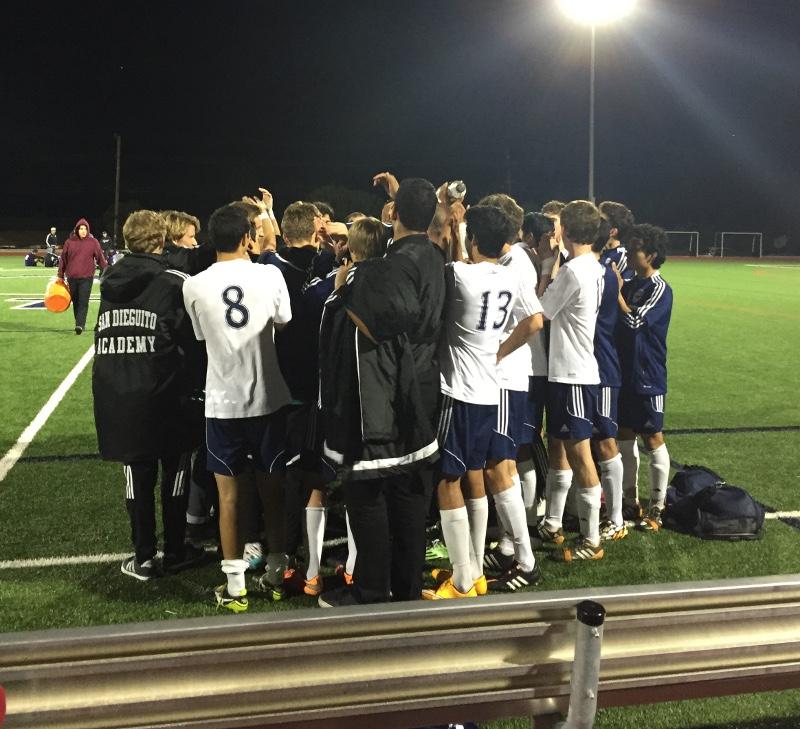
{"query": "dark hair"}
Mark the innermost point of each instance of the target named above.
(508, 206)
(227, 226)
(580, 222)
(602, 236)
(538, 224)
(620, 218)
(553, 207)
(324, 209)
(650, 239)
(487, 225)
(415, 203)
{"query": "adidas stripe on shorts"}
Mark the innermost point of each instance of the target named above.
(606, 416)
(465, 431)
(570, 409)
(641, 413)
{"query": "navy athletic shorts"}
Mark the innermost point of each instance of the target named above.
(465, 432)
(569, 410)
(237, 444)
(641, 413)
(534, 415)
(605, 416)
(508, 431)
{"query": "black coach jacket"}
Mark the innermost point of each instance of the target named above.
(380, 401)
(147, 363)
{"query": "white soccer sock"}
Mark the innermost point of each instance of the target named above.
(527, 475)
(234, 569)
(611, 478)
(659, 475)
(455, 530)
(478, 511)
(506, 543)
(351, 547)
(556, 491)
(629, 450)
(315, 528)
(509, 503)
(589, 513)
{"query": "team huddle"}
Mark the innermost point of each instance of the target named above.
(459, 350)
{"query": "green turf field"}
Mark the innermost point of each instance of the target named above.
(734, 330)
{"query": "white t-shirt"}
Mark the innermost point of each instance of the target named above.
(515, 369)
(480, 298)
(234, 306)
(571, 303)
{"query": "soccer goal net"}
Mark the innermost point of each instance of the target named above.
(737, 243)
(683, 243)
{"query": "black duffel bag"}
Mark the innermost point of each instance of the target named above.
(700, 502)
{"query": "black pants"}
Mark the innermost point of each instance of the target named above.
(80, 289)
(203, 494)
(140, 484)
(387, 517)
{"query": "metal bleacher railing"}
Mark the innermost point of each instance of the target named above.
(406, 664)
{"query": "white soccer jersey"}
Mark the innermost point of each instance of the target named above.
(571, 303)
(234, 306)
(516, 368)
(480, 298)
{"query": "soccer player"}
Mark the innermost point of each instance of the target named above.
(141, 381)
(297, 346)
(480, 298)
(571, 303)
(235, 308)
(646, 306)
(518, 567)
(621, 220)
(604, 431)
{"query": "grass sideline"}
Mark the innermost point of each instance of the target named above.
(733, 332)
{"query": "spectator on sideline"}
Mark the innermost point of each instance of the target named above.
(79, 257)
(141, 382)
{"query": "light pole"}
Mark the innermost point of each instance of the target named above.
(594, 13)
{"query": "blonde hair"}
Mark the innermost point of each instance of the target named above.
(366, 239)
(177, 222)
(144, 231)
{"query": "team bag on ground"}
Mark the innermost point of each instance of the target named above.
(700, 502)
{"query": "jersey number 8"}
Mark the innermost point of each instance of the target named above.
(236, 313)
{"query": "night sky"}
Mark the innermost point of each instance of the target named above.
(698, 104)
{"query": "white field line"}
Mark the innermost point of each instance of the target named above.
(783, 515)
(16, 451)
(108, 558)
(771, 265)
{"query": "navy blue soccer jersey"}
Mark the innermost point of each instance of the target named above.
(619, 256)
(642, 334)
(605, 348)
(297, 344)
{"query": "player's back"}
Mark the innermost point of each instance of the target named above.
(516, 368)
(571, 302)
(605, 350)
(479, 300)
(234, 306)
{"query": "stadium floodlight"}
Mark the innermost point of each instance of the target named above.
(594, 13)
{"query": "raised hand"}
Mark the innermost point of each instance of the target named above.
(389, 182)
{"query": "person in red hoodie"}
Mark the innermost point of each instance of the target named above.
(81, 251)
